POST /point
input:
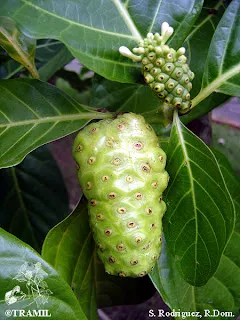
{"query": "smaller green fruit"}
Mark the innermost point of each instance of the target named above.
(164, 69)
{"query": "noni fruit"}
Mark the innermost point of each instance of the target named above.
(121, 169)
(164, 69)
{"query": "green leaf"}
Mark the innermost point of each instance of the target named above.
(197, 44)
(93, 33)
(17, 261)
(46, 49)
(149, 15)
(200, 215)
(10, 68)
(58, 61)
(20, 47)
(70, 249)
(116, 96)
(222, 68)
(33, 196)
(222, 290)
(33, 113)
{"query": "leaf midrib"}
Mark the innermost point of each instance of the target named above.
(185, 153)
(76, 116)
(20, 52)
(77, 23)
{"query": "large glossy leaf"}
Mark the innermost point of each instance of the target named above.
(10, 68)
(94, 33)
(58, 61)
(197, 44)
(20, 47)
(222, 290)
(222, 68)
(18, 268)
(33, 197)
(70, 249)
(149, 14)
(200, 215)
(118, 97)
(33, 113)
(46, 49)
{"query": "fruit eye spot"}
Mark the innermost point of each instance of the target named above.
(89, 185)
(109, 143)
(91, 160)
(147, 246)
(153, 225)
(146, 168)
(105, 178)
(160, 199)
(120, 126)
(122, 274)
(160, 158)
(111, 259)
(100, 217)
(93, 130)
(169, 56)
(139, 196)
(77, 166)
(93, 203)
(186, 80)
(171, 85)
(138, 145)
(100, 247)
(120, 247)
(187, 96)
(179, 91)
(129, 179)
(112, 195)
(134, 262)
(138, 239)
(108, 232)
(116, 161)
(131, 225)
(121, 210)
(79, 148)
(154, 185)
(142, 274)
(154, 257)
(160, 239)
(178, 104)
(149, 211)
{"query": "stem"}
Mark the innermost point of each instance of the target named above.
(212, 87)
(32, 69)
(20, 68)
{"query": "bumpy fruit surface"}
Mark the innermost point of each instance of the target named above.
(121, 169)
(164, 69)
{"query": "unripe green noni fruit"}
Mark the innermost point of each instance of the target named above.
(121, 169)
(165, 70)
